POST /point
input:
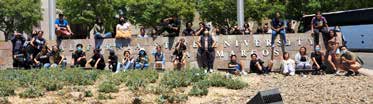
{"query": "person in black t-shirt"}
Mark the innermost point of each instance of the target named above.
(179, 54)
(97, 60)
(113, 61)
(317, 58)
(189, 31)
(17, 50)
(56, 58)
(171, 25)
(256, 65)
(42, 58)
(79, 58)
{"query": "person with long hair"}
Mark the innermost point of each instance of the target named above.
(56, 58)
(287, 65)
(97, 60)
(123, 32)
(302, 60)
(42, 58)
(127, 62)
(179, 60)
(99, 33)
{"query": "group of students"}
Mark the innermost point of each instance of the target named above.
(35, 53)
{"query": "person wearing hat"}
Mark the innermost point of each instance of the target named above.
(142, 61)
(97, 60)
(113, 61)
(62, 29)
(206, 51)
(79, 57)
(17, 46)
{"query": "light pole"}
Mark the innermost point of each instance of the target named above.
(240, 13)
(52, 17)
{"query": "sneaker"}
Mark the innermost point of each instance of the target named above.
(205, 71)
(349, 73)
(211, 70)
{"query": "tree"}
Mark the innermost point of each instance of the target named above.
(217, 11)
(150, 12)
(19, 15)
(83, 13)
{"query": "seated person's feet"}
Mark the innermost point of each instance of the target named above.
(349, 73)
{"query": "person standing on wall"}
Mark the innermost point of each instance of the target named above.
(62, 29)
(206, 51)
(319, 24)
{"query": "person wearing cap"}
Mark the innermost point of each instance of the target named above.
(97, 60)
(62, 29)
(206, 51)
(127, 62)
(113, 61)
(17, 49)
(142, 61)
(79, 57)
(179, 60)
(56, 58)
(159, 58)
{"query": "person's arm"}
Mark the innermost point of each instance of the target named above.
(89, 61)
(315, 62)
(297, 58)
(231, 65)
(199, 31)
(35, 59)
(62, 57)
(326, 24)
(213, 43)
(56, 25)
(97, 62)
(32, 42)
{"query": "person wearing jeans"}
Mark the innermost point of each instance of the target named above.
(319, 24)
(62, 29)
(99, 33)
(278, 27)
(206, 51)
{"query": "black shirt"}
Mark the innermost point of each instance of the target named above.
(253, 68)
(113, 59)
(179, 52)
(56, 56)
(77, 55)
(42, 58)
(188, 32)
(318, 57)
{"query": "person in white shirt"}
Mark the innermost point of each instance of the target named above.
(142, 34)
(287, 65)
(302, 60)
(122, 32)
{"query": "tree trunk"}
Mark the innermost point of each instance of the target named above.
(6, 36)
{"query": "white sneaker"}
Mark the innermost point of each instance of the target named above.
(205, 71)
(211, 70)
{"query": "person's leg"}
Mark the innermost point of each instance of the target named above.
(54, 65)
(283, 40)
(108, 35)
(146, 66)
(59, 41)
(138, 66)
(274, 35)
(211, 60)
(98, 40)
(299, 65)
(291, 70)
(204, 60)
(47, 65)
(316, 34)
(325, 36)
(307, 65)
(82, 62)
(63, 64)
(118, 43)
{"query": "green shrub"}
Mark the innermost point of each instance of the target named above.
(136, 79)
(174, 79)
(7, 88)
(32, 92)
(107, 87)
(102, 96)
(5, 100)
(235, 84)
(217, 80)
(198, 91)
(53, 85)
(170, 99)
(88, 93)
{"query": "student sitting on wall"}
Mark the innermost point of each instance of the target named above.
(78, 57)
(97, 60)
(113, 61)
(56, 58)
(235, 64)
(142, 61)
(42, 58)
(159, 58)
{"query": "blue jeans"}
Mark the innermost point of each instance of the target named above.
(47, 65)
(120, 43)
(99, 39)
(139, 66)
(282, 36)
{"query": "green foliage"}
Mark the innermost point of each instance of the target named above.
(170, 99)
(235, 84)
(102, 96)
(7, 88)
(136, 79)
(107, 87)
(88, 93)
(174, 79)
(32, 92)
(19, 15)
(198, 91)
(217, 80)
